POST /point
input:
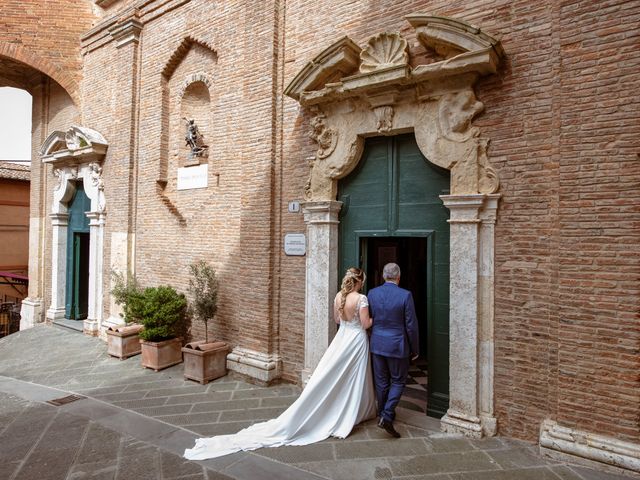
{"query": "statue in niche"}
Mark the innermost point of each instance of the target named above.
(194, 140)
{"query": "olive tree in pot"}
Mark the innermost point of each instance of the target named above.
(204, 360)
(162, 314)
(122, 340)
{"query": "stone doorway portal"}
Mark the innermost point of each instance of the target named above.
(354, 93)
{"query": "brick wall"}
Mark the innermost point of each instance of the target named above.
(45, 35)
(562, 117)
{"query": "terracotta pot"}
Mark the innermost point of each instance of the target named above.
(159, 355)
(123, 342)
(204, 362)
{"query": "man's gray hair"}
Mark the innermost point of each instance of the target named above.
(391, 271)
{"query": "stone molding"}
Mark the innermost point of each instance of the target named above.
(259, 366)
(559, 442)
(385, 50)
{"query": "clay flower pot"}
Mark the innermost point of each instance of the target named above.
(204, 362)
(159, 355)
(123, 341)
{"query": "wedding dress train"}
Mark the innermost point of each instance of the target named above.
(338, 396)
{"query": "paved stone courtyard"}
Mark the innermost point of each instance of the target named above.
(135, 423)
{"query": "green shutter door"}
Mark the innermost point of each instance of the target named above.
(77, 281)
(394, 192)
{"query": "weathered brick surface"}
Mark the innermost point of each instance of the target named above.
(562, 116)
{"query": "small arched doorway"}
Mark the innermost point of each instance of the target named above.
(392, 212)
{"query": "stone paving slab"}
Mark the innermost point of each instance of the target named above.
(133, 413)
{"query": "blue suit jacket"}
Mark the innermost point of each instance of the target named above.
(395, 329)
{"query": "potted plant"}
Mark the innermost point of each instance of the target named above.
(162, 313)
(122, 340)
(204, 360)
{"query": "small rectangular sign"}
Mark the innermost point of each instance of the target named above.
(193, 177)
(294, 207)
(295, 244)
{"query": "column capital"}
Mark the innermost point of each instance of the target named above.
(126, 31)
(322, 211)
(59, 219)
(490, 208)
(463, 208)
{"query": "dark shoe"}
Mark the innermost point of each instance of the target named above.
(388, 427)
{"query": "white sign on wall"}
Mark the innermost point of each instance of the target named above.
(295, 244)
(193, 177)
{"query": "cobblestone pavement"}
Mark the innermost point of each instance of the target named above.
(135, 423)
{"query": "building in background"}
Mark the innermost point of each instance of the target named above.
(14, 232)
(490, 148)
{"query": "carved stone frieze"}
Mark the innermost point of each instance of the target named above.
(383, 51)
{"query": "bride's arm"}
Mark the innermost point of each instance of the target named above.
(365, 320)
(336, 312)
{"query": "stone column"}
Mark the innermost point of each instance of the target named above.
(94, 318)
(463, 414)
(59, 223)
(486, 312)
(321, 281)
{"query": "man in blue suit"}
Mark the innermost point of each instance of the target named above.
(394, 341)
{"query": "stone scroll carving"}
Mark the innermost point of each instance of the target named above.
(383, 95)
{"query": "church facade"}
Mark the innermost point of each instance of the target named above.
(489, 148)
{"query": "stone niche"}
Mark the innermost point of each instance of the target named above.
(353, 92)
(187, 82)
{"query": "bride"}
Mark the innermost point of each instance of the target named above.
(338, 395)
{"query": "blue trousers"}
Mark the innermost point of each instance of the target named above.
(389, 377)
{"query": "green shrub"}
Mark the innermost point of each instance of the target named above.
(129, 295)
(203, 286)
(162, 313)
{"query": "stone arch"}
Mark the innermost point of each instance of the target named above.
(353, 93)
(64, 79)
(77, 154)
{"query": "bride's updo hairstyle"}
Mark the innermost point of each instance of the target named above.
(351, 278)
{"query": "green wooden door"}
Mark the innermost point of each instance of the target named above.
(391, 198)
(77, 281)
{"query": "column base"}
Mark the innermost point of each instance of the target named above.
(30, 313)
(489, 425)
(54, 314)
(91, 328)
(456, 422)
(257, 366)
(562, 443)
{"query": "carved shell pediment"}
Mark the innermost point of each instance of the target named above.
(385, 50)
(345, 70)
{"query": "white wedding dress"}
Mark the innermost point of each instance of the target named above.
(338, 396)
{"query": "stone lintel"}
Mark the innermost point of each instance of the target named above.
(565, 444)
(259, 366)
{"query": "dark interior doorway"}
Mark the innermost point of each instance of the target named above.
(410, 253)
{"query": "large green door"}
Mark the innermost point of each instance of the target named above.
(77, 281)
(391, 203)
